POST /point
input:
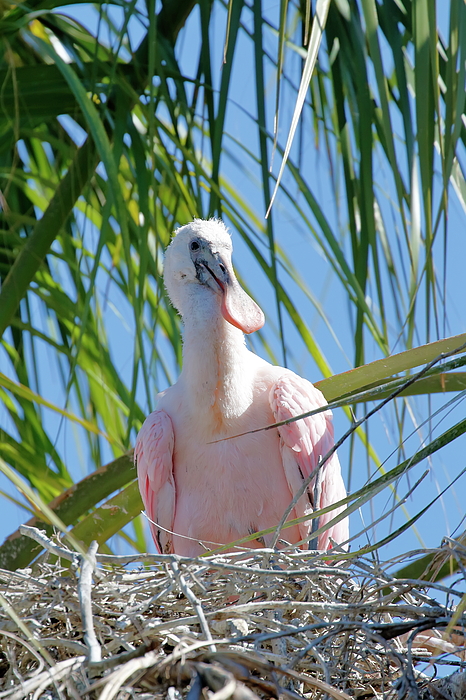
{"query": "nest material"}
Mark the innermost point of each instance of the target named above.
(243, 626)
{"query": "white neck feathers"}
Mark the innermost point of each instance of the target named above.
(216, 370)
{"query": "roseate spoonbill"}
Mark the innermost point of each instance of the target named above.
(199, 492)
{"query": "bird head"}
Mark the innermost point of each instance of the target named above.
(198, 263)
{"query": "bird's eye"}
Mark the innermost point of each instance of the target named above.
(194, 245)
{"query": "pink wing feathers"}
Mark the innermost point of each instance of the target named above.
(302, 444)
(153, 456)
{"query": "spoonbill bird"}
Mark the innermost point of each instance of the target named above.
(199, 490)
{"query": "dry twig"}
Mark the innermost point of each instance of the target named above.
(84, 592)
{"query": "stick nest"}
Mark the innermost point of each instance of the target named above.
(259, 624)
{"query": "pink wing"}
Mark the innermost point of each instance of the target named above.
(153, 456)
(302, 444)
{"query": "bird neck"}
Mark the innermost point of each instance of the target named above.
(216, 369)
